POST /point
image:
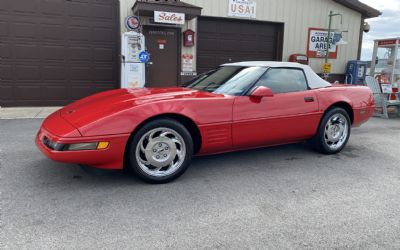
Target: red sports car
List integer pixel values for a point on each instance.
(155, 132)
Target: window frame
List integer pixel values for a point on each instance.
(252, 87)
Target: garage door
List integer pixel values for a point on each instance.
(56, 51)
(222, 40)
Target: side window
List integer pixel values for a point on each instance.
(283, 80)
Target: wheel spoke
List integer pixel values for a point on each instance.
(164, 134)
(151, 139)
(144, 161)
(179, 153)
(341, 128)
(176, 142)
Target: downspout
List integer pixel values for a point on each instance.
(360, 38)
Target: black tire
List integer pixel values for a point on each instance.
(132, 163)
(319, 143)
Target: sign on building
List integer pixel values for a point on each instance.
(317, 43)
(169, 17)
(242, 8)
(327, 68)
(187, 63)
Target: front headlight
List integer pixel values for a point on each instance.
(53, 145)
(81, 146)
(87, 146)
(76, 146)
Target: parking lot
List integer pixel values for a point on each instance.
(281, 197)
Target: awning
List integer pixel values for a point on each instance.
(147, 8)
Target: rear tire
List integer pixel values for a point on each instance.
(333, 132)
(160, 151)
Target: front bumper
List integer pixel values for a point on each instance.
(109, 158)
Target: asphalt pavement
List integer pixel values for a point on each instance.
(285, 197)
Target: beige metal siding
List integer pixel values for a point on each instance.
(298, 16)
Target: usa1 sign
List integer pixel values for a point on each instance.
(242, 8)
(169, 17)
(317, 43)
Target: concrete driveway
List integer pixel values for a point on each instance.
(283, 197)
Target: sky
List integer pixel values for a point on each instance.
(385, 26)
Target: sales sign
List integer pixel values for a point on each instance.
(169, 17)
(317, 44)
(242, 8)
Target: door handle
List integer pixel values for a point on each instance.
(308, 99)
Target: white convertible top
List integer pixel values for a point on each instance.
(314, 81)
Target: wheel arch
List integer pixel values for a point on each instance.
(189, 124)
(344, 105)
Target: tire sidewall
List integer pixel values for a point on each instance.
(321, 132)
(167, 123)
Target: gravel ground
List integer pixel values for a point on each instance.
(282, 197)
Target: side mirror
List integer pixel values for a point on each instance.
(261, 92)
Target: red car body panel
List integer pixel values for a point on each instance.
(287, 111)
(225, 123)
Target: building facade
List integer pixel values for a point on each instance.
(54, 52)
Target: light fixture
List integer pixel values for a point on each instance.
(341, 42)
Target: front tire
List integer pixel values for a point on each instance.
(333, 132)
(160, 151)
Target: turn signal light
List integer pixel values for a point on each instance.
(103, 145)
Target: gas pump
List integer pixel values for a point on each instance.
(132, 67)
(356, 72)
(385, 65)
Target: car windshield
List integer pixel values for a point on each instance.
(228, 80)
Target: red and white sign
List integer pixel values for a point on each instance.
(169, 17)
(187, 63)
(387, 42)
(317, 43)
(132, 23)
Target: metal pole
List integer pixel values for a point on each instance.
(329, 36)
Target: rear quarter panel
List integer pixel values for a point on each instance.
(360, 98)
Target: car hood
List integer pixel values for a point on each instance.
(104, 104)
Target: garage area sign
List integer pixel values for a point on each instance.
(242, 8)
(317, 42)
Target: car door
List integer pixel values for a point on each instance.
(291, 114)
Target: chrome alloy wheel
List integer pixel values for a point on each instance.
(160, 152)
(336, 131)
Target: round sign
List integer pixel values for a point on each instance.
(144, 56)
(132, 23)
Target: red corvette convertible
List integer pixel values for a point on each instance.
(155, 132)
